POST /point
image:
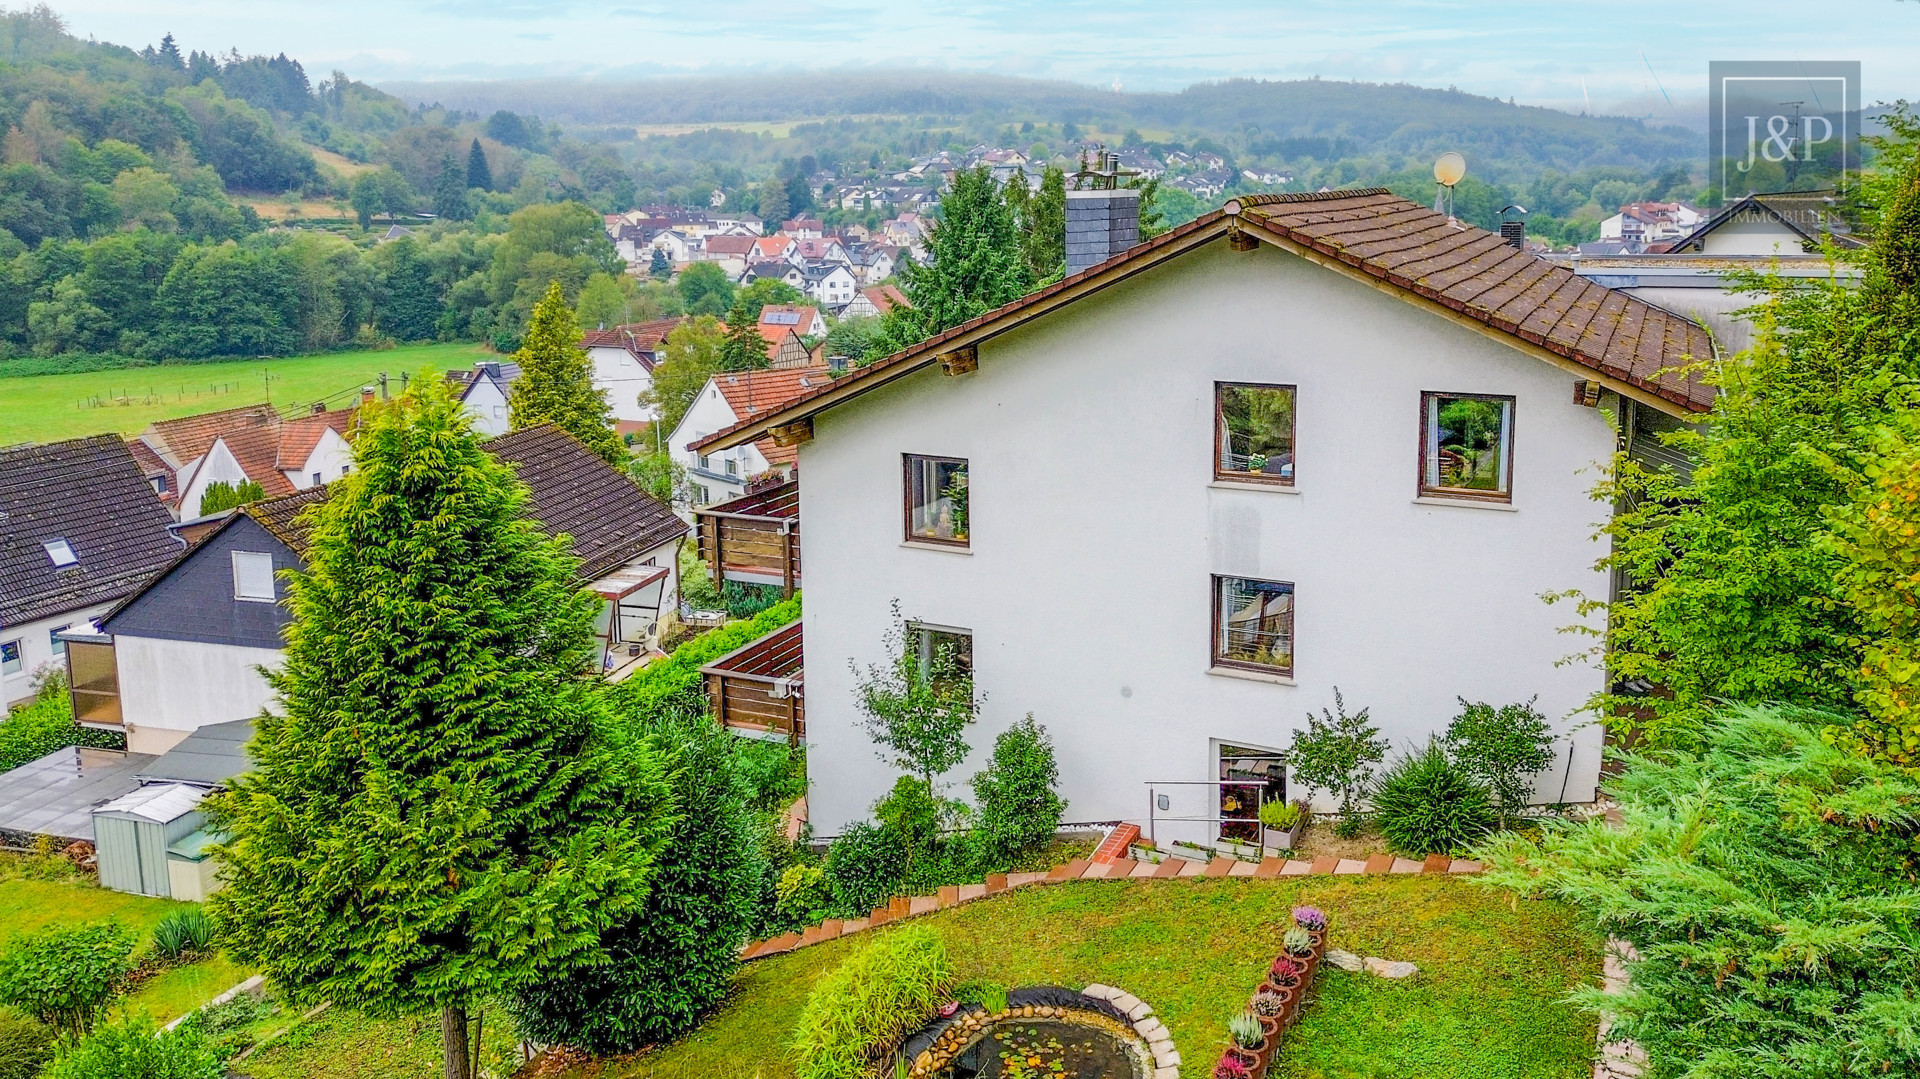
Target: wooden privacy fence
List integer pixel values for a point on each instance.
(755, 538)
(760, 686)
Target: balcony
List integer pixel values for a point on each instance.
(754, 539)
(759, 687)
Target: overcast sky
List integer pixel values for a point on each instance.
(1538, 52)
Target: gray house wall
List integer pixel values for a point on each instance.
(194, 601)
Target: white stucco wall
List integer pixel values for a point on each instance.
(709, 413)
(1753, 237)
(331, 457)
(218, 466)
(37, 650)
(1096, 529)
(622, 378)
(168, 689)
(488, 407)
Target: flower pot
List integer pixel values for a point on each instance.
(1243, 1056)
(1262, 1056)
(1284, 838)
(1149, 854)
(1319, 942)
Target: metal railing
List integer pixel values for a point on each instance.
(1153, 803)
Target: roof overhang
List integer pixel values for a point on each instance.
(783, 423)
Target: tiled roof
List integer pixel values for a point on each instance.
(750, 393)
(299, 436)
(1467, 270)
(885, 297)
(1477, 274)
(771, 247)
(1814, 215)
(730, 245)
(258, 451)
(611, 520)
(91, 493)
(189, 437)
(642, 339)
(777, 318)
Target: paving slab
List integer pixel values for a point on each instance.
(1324, 864)
(1350, 867)
(1405, 865)
(1378, 864)
(1296, 868)
(1243, 869)
(1221, 866)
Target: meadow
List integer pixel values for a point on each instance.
(47, 408)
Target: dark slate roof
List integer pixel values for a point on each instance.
(56, 794)
(91, 493)
(208, 757)
(612, 521)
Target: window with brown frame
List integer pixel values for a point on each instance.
(1466, 446)
(1253, 624)
(1253, 432)
(936, 499)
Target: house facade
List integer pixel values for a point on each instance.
(623, 359)
(482, 392)
(727, 399)
(188, 647)
(1175, 502)
(82, 529)
(250, 444)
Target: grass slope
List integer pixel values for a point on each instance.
(1487, 1003)
(46, 408)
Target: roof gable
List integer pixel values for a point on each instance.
(1466, 273)
(90, 493)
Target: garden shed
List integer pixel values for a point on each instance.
(131, 835)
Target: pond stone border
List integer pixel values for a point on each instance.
(1108, 863)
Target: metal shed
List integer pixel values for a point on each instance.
(131, 835)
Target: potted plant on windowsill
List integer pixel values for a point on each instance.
(1281, 823)
(1249, 1036)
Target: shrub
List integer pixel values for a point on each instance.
(774, 772)
(865, 866)
(803, 896)
(911, 814)
(46, 725)
(64, 975)
(858, 1010)
(1499, 747)
(133, 1049)
(26, 1044)
(673, 686)
(182, 934)
(1426, 805)
(675, 958)
(1280, 816)
(221, 495)
(1337, 753)
(1019, 810)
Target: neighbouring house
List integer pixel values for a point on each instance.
(623, 360)
(774, 249)
(483, 391)
(776, 269)
(727, 399)
(80, 528)
(877, 300)
(249, 444)
(188, 646)
(1360, 447)
(730, 253)
(1639, 224)
(678, 246)
(805, 321)
(738, 222)
(1698, 275)
(877, 262)
(803, 228)
(830, 283)
(823, 249)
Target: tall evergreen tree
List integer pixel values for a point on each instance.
(450, 191)
(556, 380)
(478, 174)
(745, 349)
(659, 268)
(976, 263)
(408, 302)
(436, 816)
(1043, 227)
(169, 54)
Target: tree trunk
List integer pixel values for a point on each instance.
(453, 1043)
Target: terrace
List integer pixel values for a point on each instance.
(760, 687)
(754, 539)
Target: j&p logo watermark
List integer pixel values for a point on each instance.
(1789, 125)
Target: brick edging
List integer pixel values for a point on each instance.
(902, 908)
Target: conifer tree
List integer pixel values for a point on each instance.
(169, 54)
(976, 263)
(450, 191)
(478, 174)
(745, 349)
(556, 380)
(437, 815)
(659, 268)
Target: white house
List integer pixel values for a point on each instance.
(482, 392)
(727, 399)
(679, 247)
(250, 444)
(832, 284)
(186, 649)
(623, 359)
(81, 529)
(1305, 443)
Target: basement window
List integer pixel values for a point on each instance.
(936, 497)
(1253, 624)
(1253, 433)
(944, 654)
(1466, 446)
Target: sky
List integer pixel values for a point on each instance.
(1631, 57)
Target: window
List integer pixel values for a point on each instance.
(60, 552)
(316, 479)
(159, 484)
(1253, 624)
(700, 494)
(702, 459)
(253, 576)
(1253, 433)
(11, 661)
(945, 653)
(1248, 778)
(1466, 446)
(937, 499)
(733, 467)
(54, 641)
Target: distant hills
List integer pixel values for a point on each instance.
(1278, 122)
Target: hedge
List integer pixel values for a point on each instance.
(674, 684)
(44, 726)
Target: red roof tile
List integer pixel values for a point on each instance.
(298, 436)
(189, 437)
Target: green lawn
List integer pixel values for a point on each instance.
(339, 1044)
(1486, 1005)
(45, 408)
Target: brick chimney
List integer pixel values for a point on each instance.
(366, 395)
(1515, 233)
(1100, 225)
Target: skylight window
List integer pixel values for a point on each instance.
(61, 552)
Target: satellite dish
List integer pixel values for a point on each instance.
(1449, 167)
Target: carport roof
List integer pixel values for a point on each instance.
(56, 794)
